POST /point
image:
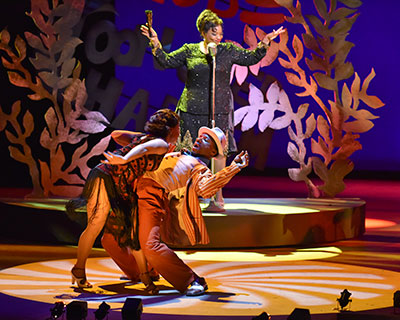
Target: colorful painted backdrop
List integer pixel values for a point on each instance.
(125, 84)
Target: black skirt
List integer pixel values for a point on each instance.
(122, 222)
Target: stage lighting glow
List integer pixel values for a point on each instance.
(324, 249)
(260, 208)
(378, 223)
(42, 204)
(256, 208)
(267, 208)
(214, 214)
(295, 255)
(244, 288)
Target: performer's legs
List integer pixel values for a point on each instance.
(144, 273)
(225, 123)
(151, 210)
(132, 262)
(121, 257)
(219, 165)
(98, 208)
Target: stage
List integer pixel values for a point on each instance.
(256, 222)
(257, 260)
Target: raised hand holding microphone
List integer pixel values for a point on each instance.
(148, 31)
(149, 16)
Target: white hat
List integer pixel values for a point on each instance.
(218, 136)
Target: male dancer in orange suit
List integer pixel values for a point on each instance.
(169, 208)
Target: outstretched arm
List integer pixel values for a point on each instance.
(207, 184)
(156, 146)
(247, 57)
(174, 59)
(123, 137)
(271, 36)
(241, 160)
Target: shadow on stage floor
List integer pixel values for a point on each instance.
(37, 252)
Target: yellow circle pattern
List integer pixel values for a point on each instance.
(236, 287)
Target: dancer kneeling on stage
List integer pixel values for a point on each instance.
(112, 185)
(169, 209)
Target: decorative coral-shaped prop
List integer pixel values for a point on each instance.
(342, 118)
(338, 133)
(57, 79)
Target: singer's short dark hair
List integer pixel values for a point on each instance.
(208, 20)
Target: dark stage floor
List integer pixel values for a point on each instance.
(243, 283)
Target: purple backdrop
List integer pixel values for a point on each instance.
(374, 35)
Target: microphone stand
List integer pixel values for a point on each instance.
(213, 92)
(213, 107)
(213, 206)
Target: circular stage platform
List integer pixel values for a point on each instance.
(282, 222)
(246, 223)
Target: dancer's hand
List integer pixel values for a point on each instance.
(242, 159)
(112, 158)
(155, 43)
(272, 35)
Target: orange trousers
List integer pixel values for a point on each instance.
(121, 256)
(152, 207)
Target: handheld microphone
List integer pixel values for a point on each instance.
(149, 15)
(212, 49)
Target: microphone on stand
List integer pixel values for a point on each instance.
(212, 49)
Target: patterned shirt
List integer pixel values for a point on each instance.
(124, 175)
